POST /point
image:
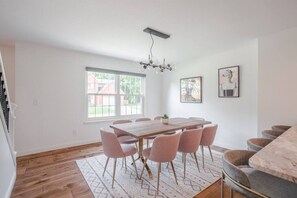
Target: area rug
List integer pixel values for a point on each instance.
(127, 185)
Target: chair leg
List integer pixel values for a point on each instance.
(210, 153)
(105, 166)
(202, 156)
(222, 186)
(135, 166)
(167, 164)
(136, 146)
(183, 157)
(174, 172)
(143, 168)
(123, 162)
(114, 170)
(125, 165)
(147, 143)
(195, 155)
(185, 162)
(231, 193)
(159, 170)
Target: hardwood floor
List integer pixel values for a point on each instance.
(214, 191)
(54, 174)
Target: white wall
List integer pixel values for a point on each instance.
(277, 79)
(7, 168)
(55, 78)
(236, 117)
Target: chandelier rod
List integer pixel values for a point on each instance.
(151, 49)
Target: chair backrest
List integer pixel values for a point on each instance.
(195, 127)
(111, 145)
(164, 148)
(271, 134)
(158, 118)
(208, 135)
(142, 119)
(282, 128)
(119, 132)
(196, 118)
(256, 144)
(233, 160)
(190, 140)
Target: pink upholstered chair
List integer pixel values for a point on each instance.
(158, 118)
(123, 137)
(164, 149)
(195, 127)
(142, 119)
(113, 149)
(196, 118)
(208, 136)
(167, 133)
(189, 143)
(147, 138)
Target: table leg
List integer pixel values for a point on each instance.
(142, 159)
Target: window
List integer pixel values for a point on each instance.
(131, 95)
(114, 93)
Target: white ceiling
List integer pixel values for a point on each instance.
(114, 27)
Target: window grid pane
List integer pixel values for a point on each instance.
(101, 83)
(131, 104)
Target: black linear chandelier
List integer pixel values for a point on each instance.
(151, 64)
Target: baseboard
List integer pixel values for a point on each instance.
(50, 148)
(11, 185)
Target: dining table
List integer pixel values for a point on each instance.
(279, 158)
(141, 130)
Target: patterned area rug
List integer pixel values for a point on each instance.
(126, 184)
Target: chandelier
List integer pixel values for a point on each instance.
(151, 63)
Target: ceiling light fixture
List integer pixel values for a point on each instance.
(154, 64)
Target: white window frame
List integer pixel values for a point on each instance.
(117, 96)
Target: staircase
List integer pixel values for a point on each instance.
(4, 101)
(7, 151)
(7, 110)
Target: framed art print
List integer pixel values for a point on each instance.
(191, 90)
(228, 82)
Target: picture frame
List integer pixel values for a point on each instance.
(229, 82)
(191, 90)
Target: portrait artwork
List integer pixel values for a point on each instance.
(229, 82)
(191, 90)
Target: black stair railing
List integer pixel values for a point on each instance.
(4, 101)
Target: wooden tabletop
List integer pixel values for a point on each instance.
(155, 127)
(279, 158)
